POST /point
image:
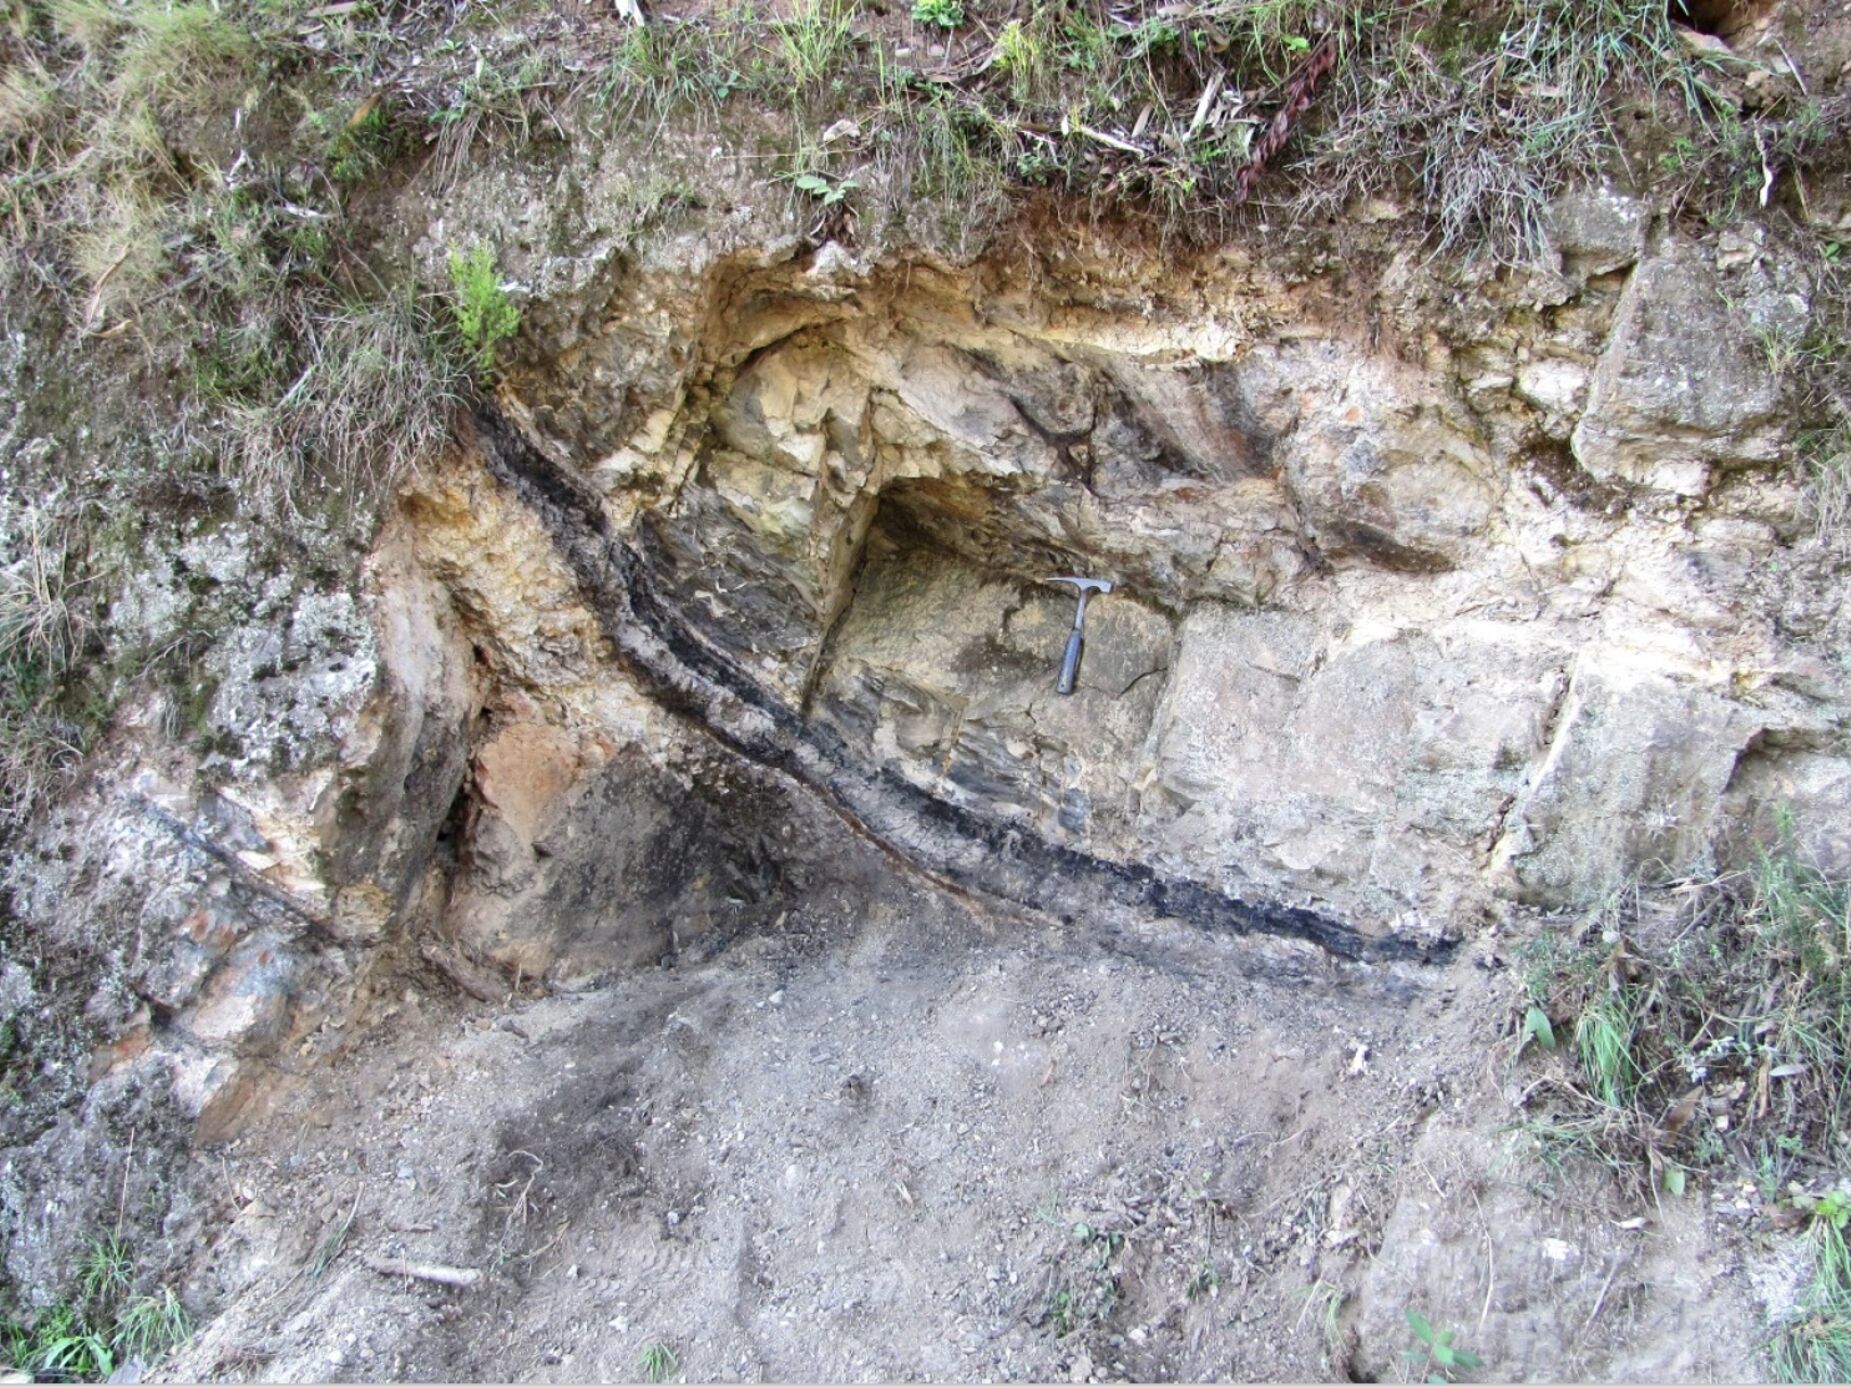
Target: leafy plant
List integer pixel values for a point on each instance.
(1436, 1351)
(1087, 1288)
(62, 1346)
(657, 1361)
(1538, 1028)
(827, 191)
(947, 14)
(83, 1341)
(65, 1346)
(484, 313)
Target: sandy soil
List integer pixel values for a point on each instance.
(889, 1139)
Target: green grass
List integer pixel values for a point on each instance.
(102, 1326)
(812, 41)
(1604, 1037)
(507, 96)
(657, 1362)
(661, 69)
(1742, 991)
(108, 1272)
(1815, 1346)
(151, 1325)
(162, 54)
(1826, 455)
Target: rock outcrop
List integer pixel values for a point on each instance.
(1435, 602)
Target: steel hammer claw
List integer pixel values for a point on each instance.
(1070, 662)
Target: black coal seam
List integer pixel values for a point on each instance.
(946, 842)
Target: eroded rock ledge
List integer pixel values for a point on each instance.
(1430, 603)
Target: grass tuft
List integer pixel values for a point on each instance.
(657, 1362)
(317, 443)
(84, 1339)
(151, 1325)
(812, 41)
(46, 620)
(1815, 1346)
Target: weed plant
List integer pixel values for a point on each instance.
(1714, 1038)
(102, 1327)
(1815, 1345)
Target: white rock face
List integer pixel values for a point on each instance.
(1683, 388)
(1377, 763)
(1384, 654)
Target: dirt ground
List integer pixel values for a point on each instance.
(885, 1138)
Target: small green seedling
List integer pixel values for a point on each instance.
(484, 313)
(1437, 1348)
(829, 192)
(1833, 1208)
(947, 14)
(1206, 1282)
(1537, 1028)
(657, 1361)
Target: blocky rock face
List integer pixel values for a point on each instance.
(1684, 387)
(1421, 616)
(1399, 633)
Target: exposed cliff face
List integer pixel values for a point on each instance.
(1433, 602)
(1405, 629)
(1437, 604)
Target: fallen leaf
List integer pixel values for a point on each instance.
(1682, 1111)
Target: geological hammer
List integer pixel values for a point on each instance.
(1070, 663)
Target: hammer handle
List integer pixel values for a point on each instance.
(1070, 663)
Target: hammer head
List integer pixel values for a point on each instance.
(1084, 585)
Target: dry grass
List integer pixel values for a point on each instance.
(321, 439)
(1476, 116)
(137, 200)
(46, 617)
